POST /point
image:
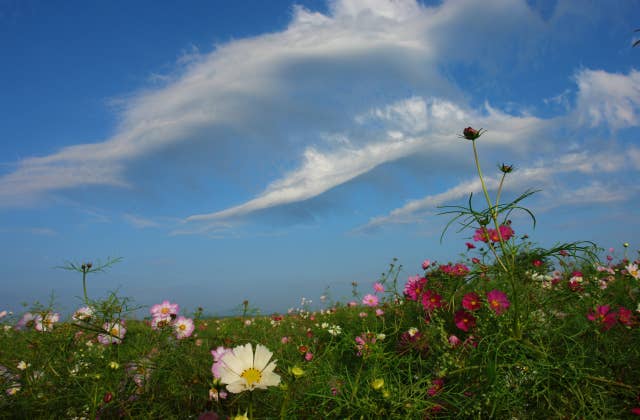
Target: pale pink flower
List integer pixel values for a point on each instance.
(426, 264)
(352, 303)
(165, 309)
(284, 340)
(378, 287)
(27, 321)
(362, 314)
(115, 333)
(217, 360)
(370, 300)
(308, 356)
(45, 323)
(183, 327)
(379, 312)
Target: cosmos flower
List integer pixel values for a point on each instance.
(464, 320)
(242, 370)
(370, 300)
(165, 309)
(115, 333)
(45, 323)
(183, 327)
(83, 314)
(471, 302)
(414, 287)
(498, 301)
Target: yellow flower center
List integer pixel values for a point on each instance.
(114, 331)
(252, 376)
(182, 327)
(164, 310)
(495, 303)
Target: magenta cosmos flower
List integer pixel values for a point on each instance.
(431, 300)
(498, 301)
(471, 302)
(414, 287)
(464, 320)
(604, 316)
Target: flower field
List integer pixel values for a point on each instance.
(508, 331)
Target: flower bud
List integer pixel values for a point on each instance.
(471, 133)
(505, 169)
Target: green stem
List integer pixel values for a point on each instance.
(250, 405)
(84, 286)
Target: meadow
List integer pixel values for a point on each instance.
(510, 330)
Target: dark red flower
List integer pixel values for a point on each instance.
(464, 320)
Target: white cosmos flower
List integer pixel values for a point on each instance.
(241, 370)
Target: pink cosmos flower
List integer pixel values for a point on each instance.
(379, 312)
(284, 340)
(431, 300)
(426, 264)
(352, 304)
(378, 287)
(370, 300)
(362, 314)
(604, 316)
(498, 301)
(115, 332)
(183, 327)
(460, 270)
(415, 287)
(308, 356)
(165, 309)
(471, 302)
(464, 320)
(506, 232)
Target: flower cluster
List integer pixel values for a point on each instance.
(492, 235)
(165, 314)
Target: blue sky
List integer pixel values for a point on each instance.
(269, 150)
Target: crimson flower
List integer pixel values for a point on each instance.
(603, 315)
(464, 320)
(471, 301)
(431, 300)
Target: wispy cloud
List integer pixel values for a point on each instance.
(139, 222)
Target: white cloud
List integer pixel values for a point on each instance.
(610, 99)
(424, 126)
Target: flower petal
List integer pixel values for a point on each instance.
(262, 357)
